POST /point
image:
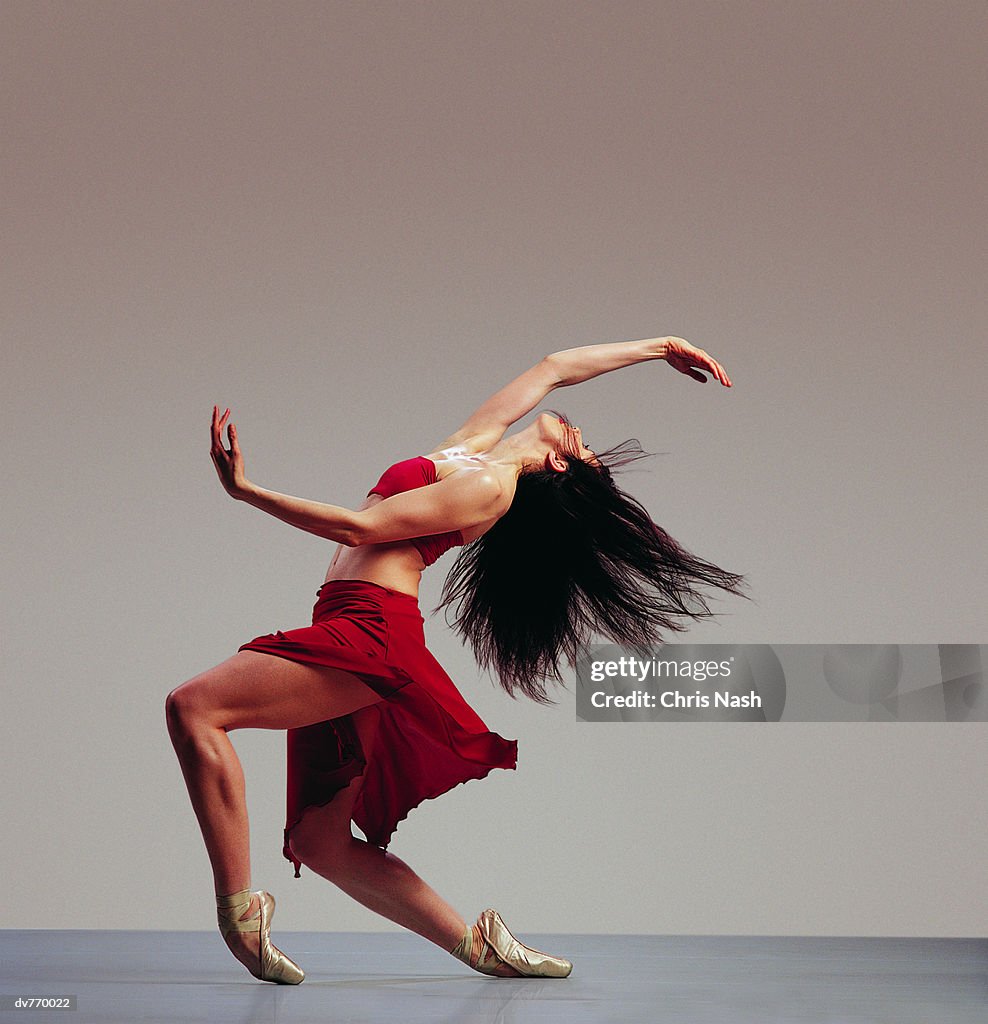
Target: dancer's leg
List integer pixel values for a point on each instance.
(248, 690)
(382, 882)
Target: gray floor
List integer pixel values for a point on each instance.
(189, 976)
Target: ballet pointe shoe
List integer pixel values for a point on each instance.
(499, 946)
(273, 965)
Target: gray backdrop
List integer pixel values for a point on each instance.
(351, 222)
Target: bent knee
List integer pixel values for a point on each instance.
(325, 851)
(183, 710)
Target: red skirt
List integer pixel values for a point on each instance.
(429, 739)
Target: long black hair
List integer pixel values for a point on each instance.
(573, 555)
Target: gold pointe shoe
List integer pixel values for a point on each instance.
(273, 965)
(499, 946)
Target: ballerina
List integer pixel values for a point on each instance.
(552, 551)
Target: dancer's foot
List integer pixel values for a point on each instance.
(245, 946)
(488, 947)
(492, 965)
(245, 920)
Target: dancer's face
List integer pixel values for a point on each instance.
(568, 439)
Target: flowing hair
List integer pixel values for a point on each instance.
(573, 555)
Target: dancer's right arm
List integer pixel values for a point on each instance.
(485, 427)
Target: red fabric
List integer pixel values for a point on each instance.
(429, 739)
(406, 476)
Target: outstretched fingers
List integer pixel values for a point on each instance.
(695, 359)
(228, 462)
(719, 372)
(706, 362)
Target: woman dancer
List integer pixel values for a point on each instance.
(554, 552)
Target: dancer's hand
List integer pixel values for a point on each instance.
(683, 356)
(229, 464)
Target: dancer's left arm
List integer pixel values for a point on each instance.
(332, 522)
(452, 504)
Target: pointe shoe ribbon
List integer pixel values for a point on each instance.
(273, 965)
(500, 946)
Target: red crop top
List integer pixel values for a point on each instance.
(406, 476)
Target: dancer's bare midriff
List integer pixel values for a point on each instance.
(398, 564)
